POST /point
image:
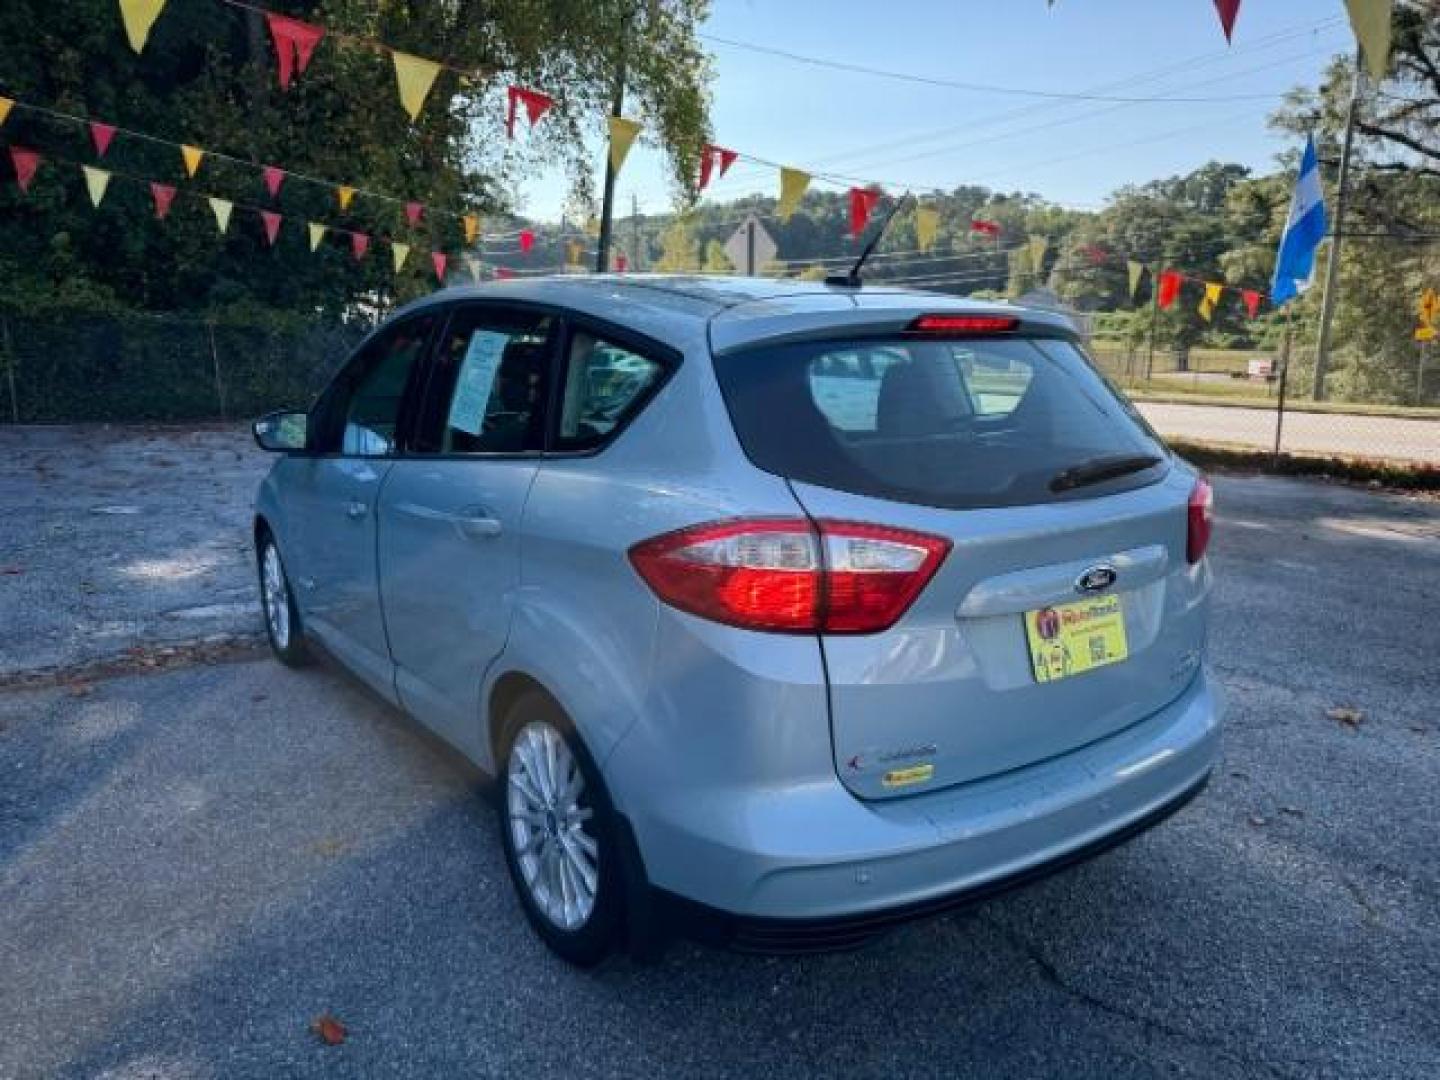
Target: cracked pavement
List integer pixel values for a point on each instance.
(197, 860)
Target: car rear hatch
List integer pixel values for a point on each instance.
(1067, 606)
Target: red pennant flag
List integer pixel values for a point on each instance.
(413, 212)
(1228, 9)
(989, 228)
(1096, 255)
(621, 263)
(164, 195)
(1252, 301)
(527, 240)
(273, 179)
(26, 161)
(295, 43)
(359, 242)
(101, 134)
(536, 105)
(711, 157)
(438, 259)
(272, 225)
(1169, 288)
(862, 205)
(502, 273)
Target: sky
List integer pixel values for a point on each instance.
(923, 137)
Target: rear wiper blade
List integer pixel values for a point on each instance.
(1102, 468)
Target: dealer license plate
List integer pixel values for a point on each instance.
(1070, 639)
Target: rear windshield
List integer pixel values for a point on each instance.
(944, 422)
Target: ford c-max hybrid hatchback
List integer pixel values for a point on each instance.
(781, 612)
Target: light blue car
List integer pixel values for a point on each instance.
(781, 612)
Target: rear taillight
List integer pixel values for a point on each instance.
(1201, 520)
(791, 575)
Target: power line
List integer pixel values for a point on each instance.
(1168, 71)
(953, 84)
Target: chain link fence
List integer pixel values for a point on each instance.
(74, 367)
(1384, 410)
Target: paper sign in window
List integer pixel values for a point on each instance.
(476, 381)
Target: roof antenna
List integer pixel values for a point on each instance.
(852, 279)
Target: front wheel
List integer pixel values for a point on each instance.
(558, 828)
(277, 602)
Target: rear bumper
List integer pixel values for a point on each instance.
(796, 936)
(812, 861)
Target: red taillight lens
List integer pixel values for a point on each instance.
(964, 324)
(789, 575)
(1201, 520)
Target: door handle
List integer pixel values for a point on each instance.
(478, 525)
(355, 509)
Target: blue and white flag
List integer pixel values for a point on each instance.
(1295, 264)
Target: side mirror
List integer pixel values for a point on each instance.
(282, 431)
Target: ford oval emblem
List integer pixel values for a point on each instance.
(1096, 579)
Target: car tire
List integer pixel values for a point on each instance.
(277, 605)
(560, 842)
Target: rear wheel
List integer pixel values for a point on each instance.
(558, 828)
(277, 602)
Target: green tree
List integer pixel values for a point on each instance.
(716, 261)
(207, 77)
(679, 248)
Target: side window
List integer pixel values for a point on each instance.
(487, 391)
(361, 411)
(604, 384)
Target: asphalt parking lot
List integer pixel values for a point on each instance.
(198, 861)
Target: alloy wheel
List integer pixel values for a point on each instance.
(548, 810)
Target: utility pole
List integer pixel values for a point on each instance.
(1332, 265)
(617, 104)
(634, 232)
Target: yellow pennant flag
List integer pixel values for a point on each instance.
(221, 209)
(472, 227)
(1371, 22)
(1137, 271)
(574, 251)
(344, 194)
(192, 156)
(927, 225)
(592, 226)
(414, 75)
(139, 17)
(399, 253)
(97, 180)
(1037, 247)
(622, 135)
(1212, 297)
(793, 183)
(6, 104)
(317, 233)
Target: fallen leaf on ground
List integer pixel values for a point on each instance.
(1419, 729)
(1347, 716)
(1293, 811)
(258, 697)
(10, 570)
(328, 1029)
(81, 690)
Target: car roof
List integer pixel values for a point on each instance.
(735, 312)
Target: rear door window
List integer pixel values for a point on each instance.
(486, 393)
(943, 422)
